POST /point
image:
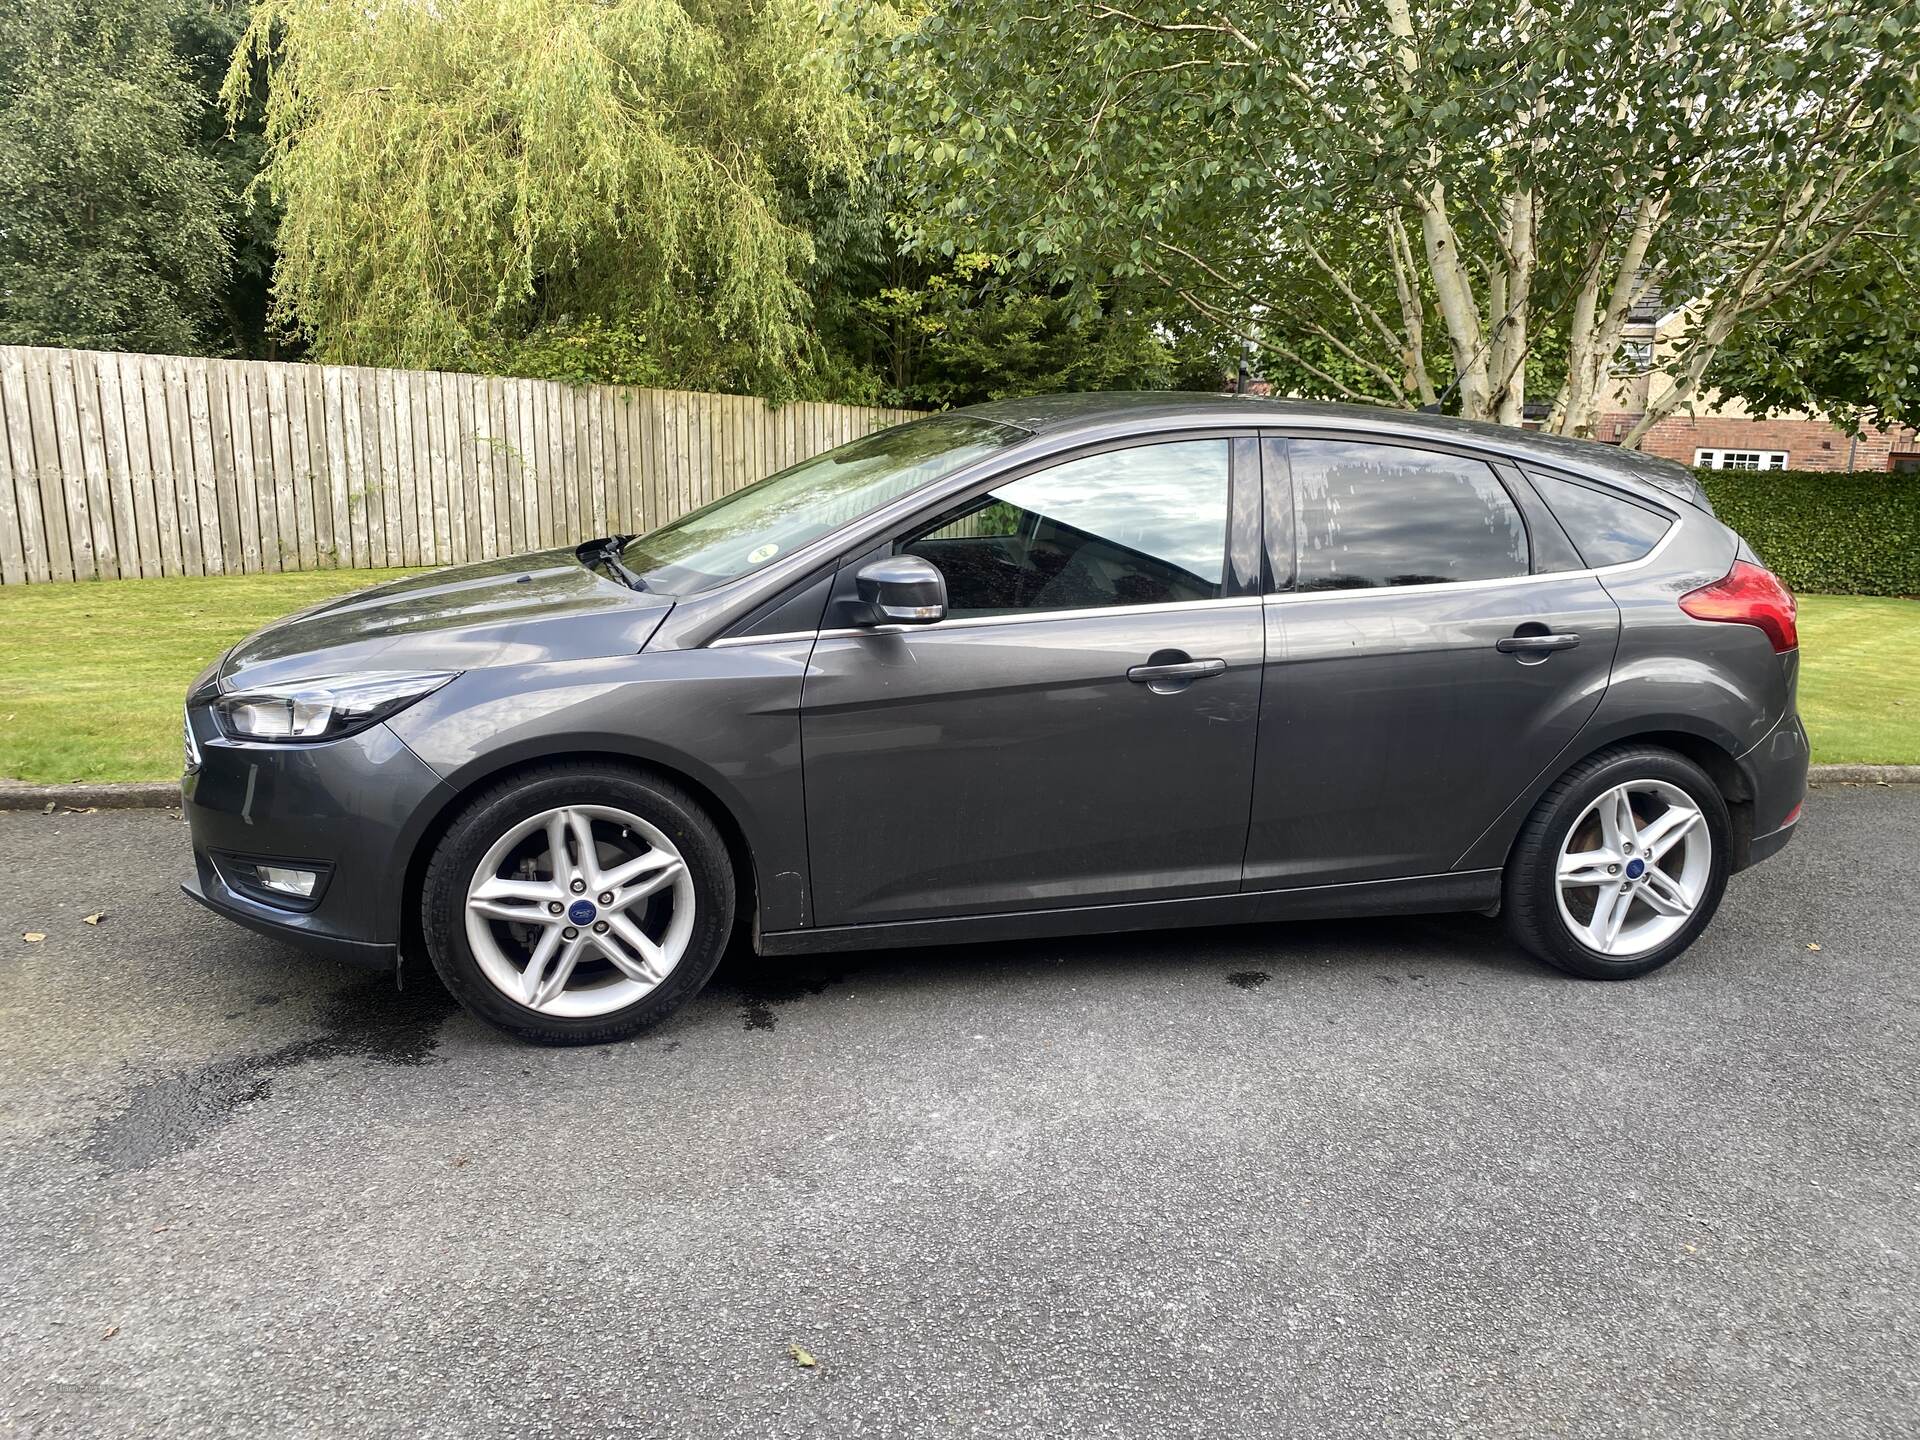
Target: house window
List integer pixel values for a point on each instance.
(1636, 358)
(1741, 459)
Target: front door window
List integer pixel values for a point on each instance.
(1144, 526)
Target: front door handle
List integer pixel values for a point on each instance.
(1168, 677)
(1525, 645)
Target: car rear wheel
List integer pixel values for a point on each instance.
(1621, 865)
(575, 905)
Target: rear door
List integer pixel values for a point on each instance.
(1433, 643)
(1033, 750)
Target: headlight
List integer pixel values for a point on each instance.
(325, 707)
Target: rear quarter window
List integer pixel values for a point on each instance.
(1606, 528)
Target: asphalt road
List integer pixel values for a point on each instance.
(1378, 1178)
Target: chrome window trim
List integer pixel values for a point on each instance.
(972, 622)
(1225, 602)
(965, 482)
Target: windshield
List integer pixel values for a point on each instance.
(776, 516)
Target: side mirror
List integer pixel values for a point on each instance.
(902, 590)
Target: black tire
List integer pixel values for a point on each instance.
(1530, 901)
(495, 810)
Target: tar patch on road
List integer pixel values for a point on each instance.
(1249, 979)
(174, 1113)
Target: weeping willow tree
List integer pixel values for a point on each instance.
(466, 173)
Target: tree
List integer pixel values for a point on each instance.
(932, 336)
(205, 35)
(112, 221)
(1846, 345)
(465, 176)
(1454, 198)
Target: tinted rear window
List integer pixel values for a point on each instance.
(1377, 515)
(1608, 529)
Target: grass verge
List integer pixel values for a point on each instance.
(1860, 679)
(92, 674)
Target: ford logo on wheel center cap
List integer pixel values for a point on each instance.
(1635, 869)
(581, 912)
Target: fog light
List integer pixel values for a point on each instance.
(285, 880)
(285, 884)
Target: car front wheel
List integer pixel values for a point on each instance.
(578, 904)
(1621, 865)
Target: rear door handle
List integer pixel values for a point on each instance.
(1534, 644)
(1179, 671)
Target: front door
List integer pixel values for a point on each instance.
(1427, 657)
(1078, 731)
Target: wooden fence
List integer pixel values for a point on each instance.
(139, 465)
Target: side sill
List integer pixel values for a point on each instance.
(1420, 894)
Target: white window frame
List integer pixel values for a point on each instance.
(1733, 459)
(1636, 357)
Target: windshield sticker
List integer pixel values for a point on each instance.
(763, 554)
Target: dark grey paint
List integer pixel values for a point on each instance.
(524, 608)
(1393, 732)
(970, 768)
(1364, 751)
(352, 804)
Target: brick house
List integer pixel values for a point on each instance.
(1719, 432)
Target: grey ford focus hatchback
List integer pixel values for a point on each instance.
(1048, 667)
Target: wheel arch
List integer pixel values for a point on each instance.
(432, 824)
(1684, 735)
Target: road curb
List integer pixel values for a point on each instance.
(165, 794)
(1864, 774)
(105, 795)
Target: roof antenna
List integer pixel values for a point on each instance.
(1440, 400)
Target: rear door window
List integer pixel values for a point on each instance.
(1608, 529)
(1373, 515)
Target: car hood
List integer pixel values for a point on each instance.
(514, 611)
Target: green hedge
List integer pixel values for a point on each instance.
(1832, 534)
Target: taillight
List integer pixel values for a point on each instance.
(1748, 594)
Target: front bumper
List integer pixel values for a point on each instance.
(348, 806)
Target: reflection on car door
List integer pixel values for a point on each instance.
(1021, 755)
(1395, 726)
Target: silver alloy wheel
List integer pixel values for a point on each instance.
(1633, 868)
(580, 910)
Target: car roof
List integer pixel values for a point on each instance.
(1061, 416)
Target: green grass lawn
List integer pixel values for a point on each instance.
(92, 673)
(1860, 679)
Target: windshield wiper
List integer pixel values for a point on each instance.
(606, 551)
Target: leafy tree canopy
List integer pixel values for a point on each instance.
(1419, 200)
(1847, 344)
(113, 222)
(462, 177)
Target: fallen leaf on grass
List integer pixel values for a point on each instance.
(93, 919)
(804, 1359)
(32, 937)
